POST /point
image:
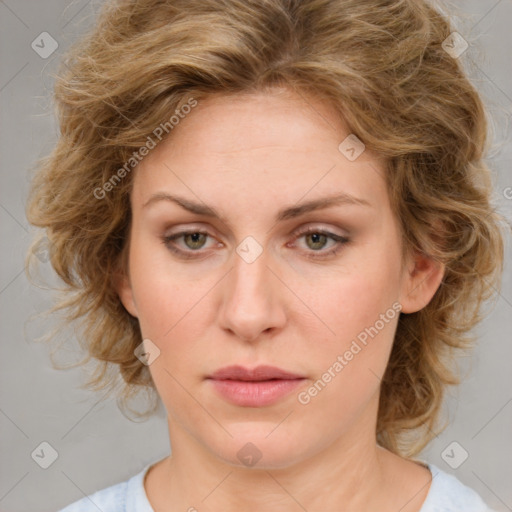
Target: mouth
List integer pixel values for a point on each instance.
(256, 387)
(258, 374)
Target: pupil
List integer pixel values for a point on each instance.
(194, 239)
(316, 238)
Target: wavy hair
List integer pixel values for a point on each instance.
(380, 64)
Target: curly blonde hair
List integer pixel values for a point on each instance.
(379, 63)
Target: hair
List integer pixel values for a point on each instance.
(379, 63)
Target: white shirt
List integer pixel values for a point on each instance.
(446, 494)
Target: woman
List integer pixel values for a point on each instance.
(276, 214)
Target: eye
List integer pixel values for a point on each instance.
(193, 240)
(316, 239)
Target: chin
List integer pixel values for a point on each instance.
(252, 447)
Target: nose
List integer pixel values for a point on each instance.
(252, 299)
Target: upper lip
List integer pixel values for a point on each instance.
(262, 372)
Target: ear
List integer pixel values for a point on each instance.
(421, 279)
(124, 291)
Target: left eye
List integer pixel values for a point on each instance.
(316, 240)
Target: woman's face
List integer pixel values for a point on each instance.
(253, 288)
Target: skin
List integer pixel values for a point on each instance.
(248, 156)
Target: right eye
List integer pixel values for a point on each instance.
(194, 241)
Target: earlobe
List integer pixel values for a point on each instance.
(423, 278)
(125, 293)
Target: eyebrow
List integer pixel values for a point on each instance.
(287, 213)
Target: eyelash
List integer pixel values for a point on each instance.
(340, 241)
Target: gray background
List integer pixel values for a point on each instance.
(96, 445)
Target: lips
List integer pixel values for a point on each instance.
(259, 373)
(257, 387)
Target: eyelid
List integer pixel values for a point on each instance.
(313, 228)
(339, 239)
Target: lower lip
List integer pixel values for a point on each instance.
(255, 394)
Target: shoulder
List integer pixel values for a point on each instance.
(448, 494)
(127, 496)
(110, 499)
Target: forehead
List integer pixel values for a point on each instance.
(278, 144)
(251, 121)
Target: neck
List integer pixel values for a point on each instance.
(353, 473)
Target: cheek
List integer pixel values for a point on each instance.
(173, 313)
(347, 369)
(165, 297)
(361, 312)
(364, 283)
(352, 299)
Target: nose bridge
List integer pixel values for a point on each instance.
(251, 303)
(250, 278)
